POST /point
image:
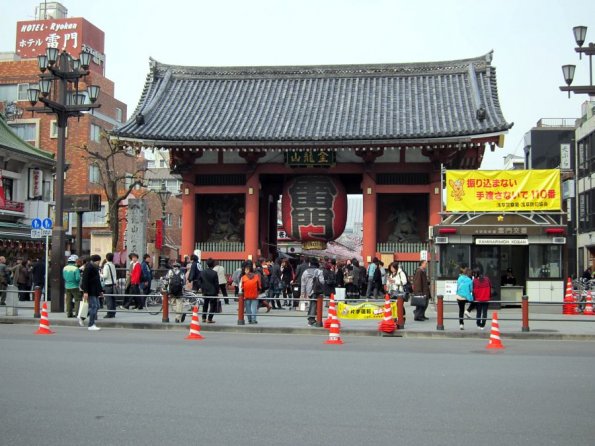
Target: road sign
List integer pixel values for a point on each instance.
(36, 233)
(47, 223)
(46, 232)
(36, 223)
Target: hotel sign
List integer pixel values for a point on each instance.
(502, 241)
(311, 158)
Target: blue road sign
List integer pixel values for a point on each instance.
(47, 223)
(36, 223)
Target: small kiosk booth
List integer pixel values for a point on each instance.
(518, 248)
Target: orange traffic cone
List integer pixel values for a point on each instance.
(334, 334)
(194, 326)
(569, 305)
(44, 323)
(589, 306)
(332, 305)
(495, 341)
(388, 323)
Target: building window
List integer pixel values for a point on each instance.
(162, 163)
(95, 133)
(22, 91)
(119, 114)
(94, 174)
(26, 131)
(9, 93)
(451, 259)
(545, 261)
(150, 164)
(8, 184)
(54, 129)
(168, 218)
(98, 218)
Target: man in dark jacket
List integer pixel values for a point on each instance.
(194, 275)
(421, 287)
(210, 287)
(91, 285)
(38, 273)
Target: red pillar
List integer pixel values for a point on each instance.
(251, 227)
(369, 221)
(188, 220)
(435, 196)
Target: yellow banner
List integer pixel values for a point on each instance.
(503, 190)
(366, 310)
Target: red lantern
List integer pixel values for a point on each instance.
(314, 209)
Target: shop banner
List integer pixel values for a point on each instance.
(366, 310)
(503, 190)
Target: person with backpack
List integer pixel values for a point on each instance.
(312, 286)
(175, 280)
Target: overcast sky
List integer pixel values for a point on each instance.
(531, 39)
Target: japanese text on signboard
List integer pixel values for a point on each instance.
(503, 190)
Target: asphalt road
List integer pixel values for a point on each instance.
(146, 387)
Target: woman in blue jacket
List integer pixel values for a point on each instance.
(464, 293)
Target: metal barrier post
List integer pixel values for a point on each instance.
(241, 320)
(440, 312)
(319, 305)
(525, 313)
(400, 313)
(165, 307)
(36, 302)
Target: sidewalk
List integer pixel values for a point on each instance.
(544, 323)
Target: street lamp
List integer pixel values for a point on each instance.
(580, 33)
(65, 100)
(164, 196)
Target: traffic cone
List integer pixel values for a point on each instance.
(388, 323)
(495, 341)
(589, 306)
(44, 323)
(334, 334)
(568, 307)
(332, 307)
(194, 326)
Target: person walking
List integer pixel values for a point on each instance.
(210, 291)
(133, 289)
(287, 278)
(22, 278)
(72, 280)
(220, 270)
(482, 291)
(396, 279)
(146, 278)
(275, 284)
(110, 286)
(194, 273)
(309, 290)
(464, 293)
(250, 285)
(91, 285)
(175, 280)
(373, 279)
(421, 287)
(4, 279)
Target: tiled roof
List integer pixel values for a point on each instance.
(10, 141)
(317, 103)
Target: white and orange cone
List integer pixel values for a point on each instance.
(387, 325)
(44, 323)
(194, 326)
(334, 334)
(589, 306)
(332, 307)
(495, 341)
(569, 306)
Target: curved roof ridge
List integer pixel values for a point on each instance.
(479, 63)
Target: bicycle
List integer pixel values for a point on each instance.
(190, 299)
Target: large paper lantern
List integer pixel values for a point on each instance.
(314, 209)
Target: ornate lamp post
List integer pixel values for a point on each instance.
(65, 100)
(164, 196)
(580, 33)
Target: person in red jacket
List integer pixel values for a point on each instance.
(482, 290)
(133, 289)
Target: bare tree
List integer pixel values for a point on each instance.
(120, 171)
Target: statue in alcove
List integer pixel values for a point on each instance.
(224, 222)
(405, 228)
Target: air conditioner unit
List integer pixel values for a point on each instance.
(559, 240)
(441, 240)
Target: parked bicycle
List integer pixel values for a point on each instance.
(154, 301)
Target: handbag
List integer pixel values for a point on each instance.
(418, 300)
(83, 309)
